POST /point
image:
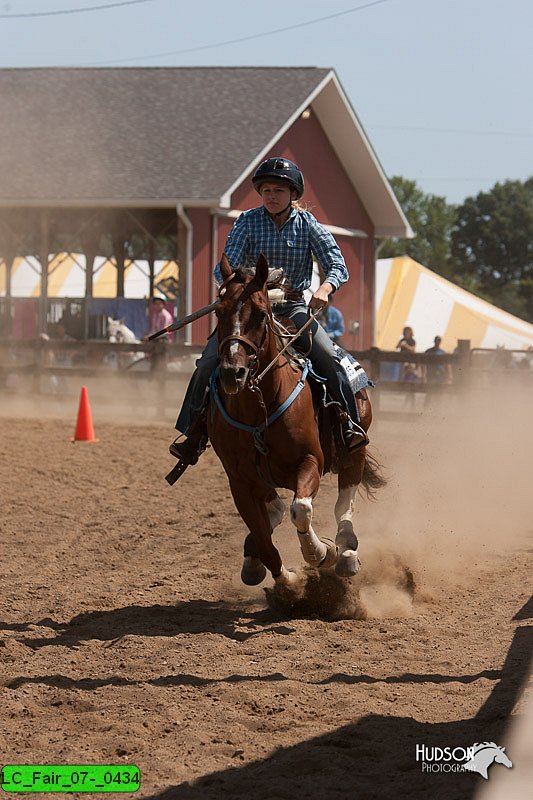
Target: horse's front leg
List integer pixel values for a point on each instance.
(253, 570)
(258, 546)
(316, 552)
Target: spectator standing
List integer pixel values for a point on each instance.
(332, 321)
(407, 344)
(160, 317)
(435, 372)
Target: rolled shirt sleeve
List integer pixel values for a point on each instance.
(328, 253)
(236, 246)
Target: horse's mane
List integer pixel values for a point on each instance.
(276, 279)
(277, 288)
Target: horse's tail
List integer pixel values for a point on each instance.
(372, 476)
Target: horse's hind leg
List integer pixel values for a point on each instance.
(316, 552)
(253, 570)
(348, 563)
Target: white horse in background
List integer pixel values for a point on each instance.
(118, 332)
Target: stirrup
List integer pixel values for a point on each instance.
(354, 437)
(176, 472)
(185, 451)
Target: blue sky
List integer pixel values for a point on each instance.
(442, 87)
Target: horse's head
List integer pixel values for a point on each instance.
(243, 314)
(118, 331)
(113, 329)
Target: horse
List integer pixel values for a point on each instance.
(485, 754)
(263, 427)
(119, 333)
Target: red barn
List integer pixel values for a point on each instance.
(133, 162)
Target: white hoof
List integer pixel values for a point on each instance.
(286, 578)
(253, 571)
(348, 564)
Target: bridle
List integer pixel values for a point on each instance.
(237, 337)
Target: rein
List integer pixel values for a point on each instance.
(286, 346)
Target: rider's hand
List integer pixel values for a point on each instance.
(320, 297)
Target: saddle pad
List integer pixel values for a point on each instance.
(354, 371)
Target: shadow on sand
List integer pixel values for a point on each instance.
(373, 758)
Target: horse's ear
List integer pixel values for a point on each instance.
(109, 320)
(261, 271)
(225, 267)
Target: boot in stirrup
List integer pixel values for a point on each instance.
(188, 450)
(353, 435)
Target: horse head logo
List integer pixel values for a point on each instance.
(483, 755)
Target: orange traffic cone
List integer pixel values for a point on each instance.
(84, 426)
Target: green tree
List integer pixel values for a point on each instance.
(431, 219)
(492, 246)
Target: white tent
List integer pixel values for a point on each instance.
(408, 293)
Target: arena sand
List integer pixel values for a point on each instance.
(127, 637)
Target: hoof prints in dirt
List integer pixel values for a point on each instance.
(322, 593)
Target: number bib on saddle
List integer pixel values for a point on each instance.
(354, 371)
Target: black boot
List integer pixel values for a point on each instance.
(189, 450)
(353, 435)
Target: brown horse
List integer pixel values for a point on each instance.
(263, 445)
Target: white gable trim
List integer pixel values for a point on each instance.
(347, 137)
(226, 197)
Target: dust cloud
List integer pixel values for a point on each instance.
(459, 497)
(459, 493)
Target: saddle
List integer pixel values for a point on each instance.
(331, 418)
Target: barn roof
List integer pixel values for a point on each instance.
(160, 136)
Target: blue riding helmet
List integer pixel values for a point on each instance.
(279, 169)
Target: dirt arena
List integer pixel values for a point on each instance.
(126, 636)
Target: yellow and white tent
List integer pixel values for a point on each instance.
(66, 276)
(408, 293)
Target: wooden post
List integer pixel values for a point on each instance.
(9, 258)
(462, 367)
(151, 264)
(118, 252)
(374, 376)
(44, 251)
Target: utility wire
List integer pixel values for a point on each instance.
(73, 10)
(425, 129)
(243, 38)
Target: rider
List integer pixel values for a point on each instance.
(288, 236)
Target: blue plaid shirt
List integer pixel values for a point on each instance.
(289, 248)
